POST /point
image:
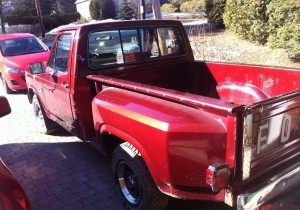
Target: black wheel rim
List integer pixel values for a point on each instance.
(129, 183)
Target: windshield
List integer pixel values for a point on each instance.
(21, 46)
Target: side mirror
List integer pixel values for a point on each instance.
(36, 68)
(4, 106)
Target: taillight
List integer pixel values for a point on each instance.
(217, 176)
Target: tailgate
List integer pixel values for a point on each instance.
(271, 136)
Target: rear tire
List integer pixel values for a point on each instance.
(43, 123)
(5, 86)
(134, 184)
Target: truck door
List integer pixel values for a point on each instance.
(57, 88)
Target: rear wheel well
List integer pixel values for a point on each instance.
(110, 142)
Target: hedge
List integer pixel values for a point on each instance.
(49, 21)
(248, 19)
(284, 25)
(272, 22)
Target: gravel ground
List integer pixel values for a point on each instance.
(20, 125)
(224, 46)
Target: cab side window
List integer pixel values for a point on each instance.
(171, 42)
(60, 55)
(130, 45)
(103, 48)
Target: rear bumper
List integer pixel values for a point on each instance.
(254, 200)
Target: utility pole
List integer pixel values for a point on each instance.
(142, 10)
(2, 18)
(39, 14)
(156, 9)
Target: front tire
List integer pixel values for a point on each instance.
(134, 184)
(5, 86)
(43, 123)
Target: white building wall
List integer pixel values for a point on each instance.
(82, 7)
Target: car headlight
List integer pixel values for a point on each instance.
(14, 70)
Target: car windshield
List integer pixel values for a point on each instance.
(21, 46)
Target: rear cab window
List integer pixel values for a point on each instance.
(122, 46)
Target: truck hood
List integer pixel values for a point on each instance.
(22, 61)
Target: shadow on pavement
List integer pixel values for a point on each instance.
(61, 132)
(62, 175)
(71, 176)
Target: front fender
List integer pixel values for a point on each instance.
(177, 142)
(32, 89)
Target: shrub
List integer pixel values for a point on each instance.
(17, 20)
(284, 24)
(58, 19)
(214, 12)
(49, 21)
(168, 8)
(248, 19)
(193, 6)
(274, 22)
(187, 7)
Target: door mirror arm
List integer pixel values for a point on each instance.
(53, 74)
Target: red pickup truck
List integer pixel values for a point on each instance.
(173, 126)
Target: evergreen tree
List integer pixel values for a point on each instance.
(102, 9)
(27, 8)
(125, 11)
(26, 13)
(65, 6)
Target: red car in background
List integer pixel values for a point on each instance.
(17, 50)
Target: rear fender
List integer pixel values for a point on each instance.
(167, 134)
(121, 135)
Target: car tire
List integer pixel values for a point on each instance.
(43, 123)
(134, 184)
(5, 86)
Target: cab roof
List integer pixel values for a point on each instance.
(120, 23)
